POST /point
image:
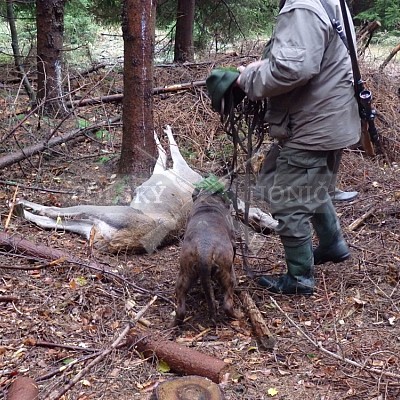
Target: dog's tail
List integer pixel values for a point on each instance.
(204, 269)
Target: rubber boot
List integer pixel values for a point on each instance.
(332, 246)
(300, 276)
(335, 193)
(340, 195)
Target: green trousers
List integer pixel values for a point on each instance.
(301, 183)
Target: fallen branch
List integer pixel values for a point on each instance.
(117, 98)
(57, 257)
(319, 346)
(12, 158)
(58, 393)
(364, 36)
(51, 345)
(65, 368)
(182, 359)
(260, 327)
(356, 224)
(5, 299)
(91, 69)
(389, 57)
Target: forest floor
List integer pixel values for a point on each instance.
(341, 343)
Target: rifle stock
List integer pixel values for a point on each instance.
(369, 133)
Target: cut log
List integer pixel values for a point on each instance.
(181, 359)
(263, 334)
(188, 388)
(23, 388)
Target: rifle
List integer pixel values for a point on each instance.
(369, 133)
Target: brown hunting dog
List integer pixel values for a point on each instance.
(208, 251)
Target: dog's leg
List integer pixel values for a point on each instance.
(227, 280)
(187, 276)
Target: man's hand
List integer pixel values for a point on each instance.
(241, 68)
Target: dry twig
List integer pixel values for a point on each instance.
(319, 346)
(58, 393)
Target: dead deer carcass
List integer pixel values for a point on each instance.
(207, 252)
(156, 215)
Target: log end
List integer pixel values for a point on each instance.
(23, 388)
(188, 388)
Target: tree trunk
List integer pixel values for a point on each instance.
(17, 54)
(184, 31)
(50, 32)
(138, 145)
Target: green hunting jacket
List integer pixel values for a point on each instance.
(308, 78)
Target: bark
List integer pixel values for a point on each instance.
(50, 34)
(17, 53)
(184, 50)
(260, 327)
(138, 152)
(23, 388)
(181, 359)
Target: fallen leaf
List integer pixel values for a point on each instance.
(252, 377)
(163, 367)
(272, 392)
(359, 301)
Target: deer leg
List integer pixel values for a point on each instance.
(180, 167)
(161, 163)
(82, 227)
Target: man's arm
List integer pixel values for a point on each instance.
(296, 55)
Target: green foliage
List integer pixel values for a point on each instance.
(387, 12)
(221, 22)
(83, 123)
(104, 159)
(211, 184)
(103, 134)
(79, 24)
(106, 12)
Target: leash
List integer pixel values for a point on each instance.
(245, 124)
